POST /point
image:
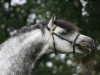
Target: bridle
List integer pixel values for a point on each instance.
(73, 43)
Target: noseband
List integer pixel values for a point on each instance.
(73, 43)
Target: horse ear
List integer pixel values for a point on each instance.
(51, 24)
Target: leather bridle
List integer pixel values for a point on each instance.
(73, 43)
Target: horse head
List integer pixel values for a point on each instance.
(66, 38)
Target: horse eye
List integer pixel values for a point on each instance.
(64, 32)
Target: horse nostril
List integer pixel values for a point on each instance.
(83, 45)
(92, 44)
(92, 41)
(87, 45)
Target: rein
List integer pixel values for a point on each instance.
(73, 43)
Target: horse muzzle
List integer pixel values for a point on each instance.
(87, 46)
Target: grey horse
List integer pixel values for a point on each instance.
(21, 53)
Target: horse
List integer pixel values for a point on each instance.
(23, 51)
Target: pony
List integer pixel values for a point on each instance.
(23, 51)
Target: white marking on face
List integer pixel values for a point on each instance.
(58, 30)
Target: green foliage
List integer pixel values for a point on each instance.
(15, 16)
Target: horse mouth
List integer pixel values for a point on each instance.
(87, 48)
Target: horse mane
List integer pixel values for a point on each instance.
(29, 28)
(42, 25)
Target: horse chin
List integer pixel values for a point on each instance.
(79, 51)
(87, 51)
(84, 51)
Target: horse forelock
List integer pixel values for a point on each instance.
(66, 25)
(61, 23)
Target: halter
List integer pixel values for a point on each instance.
(73, 43)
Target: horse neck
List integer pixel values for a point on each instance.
(35, 40)
(27, 48)
(28, 42)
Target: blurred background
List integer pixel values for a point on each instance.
(15, 14)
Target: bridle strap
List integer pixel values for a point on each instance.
(63, 38)
(73, 43)
(54, 45)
